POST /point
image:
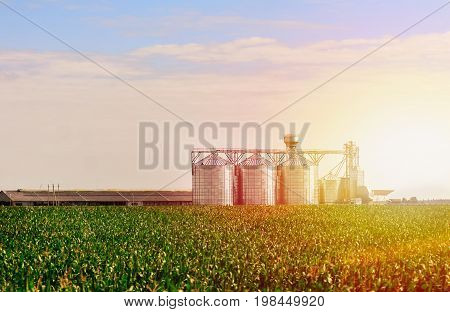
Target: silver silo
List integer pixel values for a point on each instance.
(329, 190)
(293, 175)
(256, 181)
(293, 183)
(212, 181)
(314, 185)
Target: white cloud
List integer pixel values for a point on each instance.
(57, 65)
(254, 49)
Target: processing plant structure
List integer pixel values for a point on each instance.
(268, 177)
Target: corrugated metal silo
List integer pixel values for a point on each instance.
(344, 190)
(356, 181)
(314, 186)
(329, 190)
(256, 181)
(293, 184)
(212, 181)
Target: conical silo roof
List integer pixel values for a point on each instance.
(296, 160)
(256, 160)
(213, 160)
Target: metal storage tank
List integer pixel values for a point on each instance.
(356, 181)
(212, 181)
(256, 181)
(293, 177)
(314, 186)
(329, 190)
(344, 190)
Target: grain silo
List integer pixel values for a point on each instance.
(344, 190)
(212, 180)
(293, 184)
(293, 175)
(314, 186)
(256, 181)
(329, 190)
(231, 176)
(356, 181)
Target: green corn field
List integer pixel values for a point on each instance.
(213, 248)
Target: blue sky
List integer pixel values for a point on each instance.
(118, 26)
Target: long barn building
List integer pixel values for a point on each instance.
(94, 198)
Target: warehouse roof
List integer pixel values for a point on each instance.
(96, 196)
